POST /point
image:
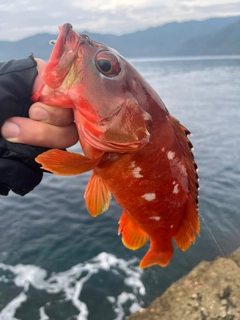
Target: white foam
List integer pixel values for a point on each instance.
(123, 298)
(42, 314)
(111, 299)
(134, 307)
(9, 311)
(70, 284)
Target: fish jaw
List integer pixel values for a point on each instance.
(60, 72)
(62, 57)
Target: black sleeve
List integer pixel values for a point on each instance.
(18, 170)
(16, 81)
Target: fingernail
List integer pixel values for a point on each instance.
(10, 130)
(39, 114)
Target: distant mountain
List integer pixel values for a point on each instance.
(38, 45)
(211, 36)
(166, 39)
(224, 42)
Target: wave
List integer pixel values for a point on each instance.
(70, 285)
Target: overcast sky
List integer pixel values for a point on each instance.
(21, 18)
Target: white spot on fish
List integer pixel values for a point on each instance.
(155, 218)
(170, 155)
(134, 83)
(175, 189)
(163, 149)
(171, 226)
(180, 172)
(174, 182)
(146, 116)
(136, 172)
(113, 157)
(132, 164)
(149, 196)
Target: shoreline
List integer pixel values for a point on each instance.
(211, 291)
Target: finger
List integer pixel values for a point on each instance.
(53, 115)
(36, 133)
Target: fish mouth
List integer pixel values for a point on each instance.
(59, 47)
(67, 40)
(64, 31)
(63, 54)
(66, 27)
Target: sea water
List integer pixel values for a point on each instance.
(58, 263)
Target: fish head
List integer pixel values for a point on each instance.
(105, 91)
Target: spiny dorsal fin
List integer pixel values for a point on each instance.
(185, 234)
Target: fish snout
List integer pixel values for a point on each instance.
(67, 27)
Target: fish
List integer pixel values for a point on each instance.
(137, 151)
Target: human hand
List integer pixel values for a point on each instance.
(25, 130)
(47, 126)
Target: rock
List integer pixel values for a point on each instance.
(211, 291)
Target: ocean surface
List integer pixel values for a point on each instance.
(58, 263)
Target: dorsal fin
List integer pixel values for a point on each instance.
(190, 224)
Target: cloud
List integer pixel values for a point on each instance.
(21, 18)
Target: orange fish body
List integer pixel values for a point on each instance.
(138, 152)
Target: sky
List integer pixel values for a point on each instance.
(22, 18)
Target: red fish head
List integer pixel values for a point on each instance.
(106, 92)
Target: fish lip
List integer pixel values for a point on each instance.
(63, 54)
(62, 38)
(61, 42)
(67, 26)
(65, 30)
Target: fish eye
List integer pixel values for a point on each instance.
(104, 65)
(108, 64)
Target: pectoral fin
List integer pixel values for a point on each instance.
(97, 195)
(133, 237)
(65, 163)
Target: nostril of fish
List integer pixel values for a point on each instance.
(85, 36)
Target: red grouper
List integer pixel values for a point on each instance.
(136, 150)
